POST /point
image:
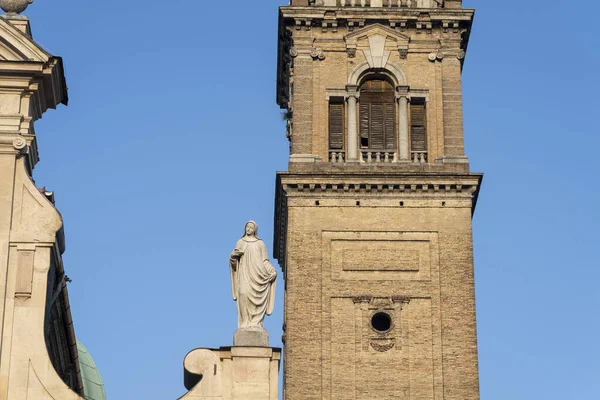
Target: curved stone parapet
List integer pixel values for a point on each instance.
(202, 374)
(232, 373)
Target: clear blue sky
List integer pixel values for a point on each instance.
(172, 139)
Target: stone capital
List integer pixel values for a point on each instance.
(352, 91)
(402, 92)
(301, 51)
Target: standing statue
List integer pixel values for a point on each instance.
(252, 280)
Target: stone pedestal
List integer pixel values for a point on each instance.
(232, 373)
(251, 338)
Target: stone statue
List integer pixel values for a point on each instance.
(253, 281)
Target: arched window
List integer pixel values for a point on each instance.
(377, 115)
(375, 121)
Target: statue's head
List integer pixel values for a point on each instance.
(251, 229)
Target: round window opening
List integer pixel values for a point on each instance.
(381, 322)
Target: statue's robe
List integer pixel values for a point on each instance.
(253, 283)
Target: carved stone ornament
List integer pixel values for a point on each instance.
(317, 52)
(19, 143)
(461, 55)
(403, 54)
(432, 56)
(377, 56)
(351, 53)
(293, 52)
(382, 348)
(14, 6)
(362, 299)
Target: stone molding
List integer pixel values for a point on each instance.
(431, 4)
(399, 77)
(401, 91)
(400, 18)
(404, 185)
(439, 55)
(391, 188)
(452, 27)
(34, 82)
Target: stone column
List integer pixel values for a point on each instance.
(352, 100)
(403, 129)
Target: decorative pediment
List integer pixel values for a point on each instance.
(17, 46)
(376, 42)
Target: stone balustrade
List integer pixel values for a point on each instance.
(337, 156)
(419, 157)
(378, 157)
(379, 3)
(370, 156)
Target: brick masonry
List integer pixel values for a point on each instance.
(358, 241)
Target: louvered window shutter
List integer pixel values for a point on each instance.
(377, 126)
(418, 129)
(336, 126)
(377, 114)
(390, 126)
(364, 123)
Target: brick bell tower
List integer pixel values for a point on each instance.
(373, 218)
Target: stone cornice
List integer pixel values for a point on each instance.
(378, 186)
(334, 18)
(366, 13)
(299, 185)
(452, 25)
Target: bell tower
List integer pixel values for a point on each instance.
(373, 218)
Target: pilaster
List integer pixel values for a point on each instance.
(302, 104)
(451, 58)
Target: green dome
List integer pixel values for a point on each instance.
(93, 386)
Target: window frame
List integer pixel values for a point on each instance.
(386, 99)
